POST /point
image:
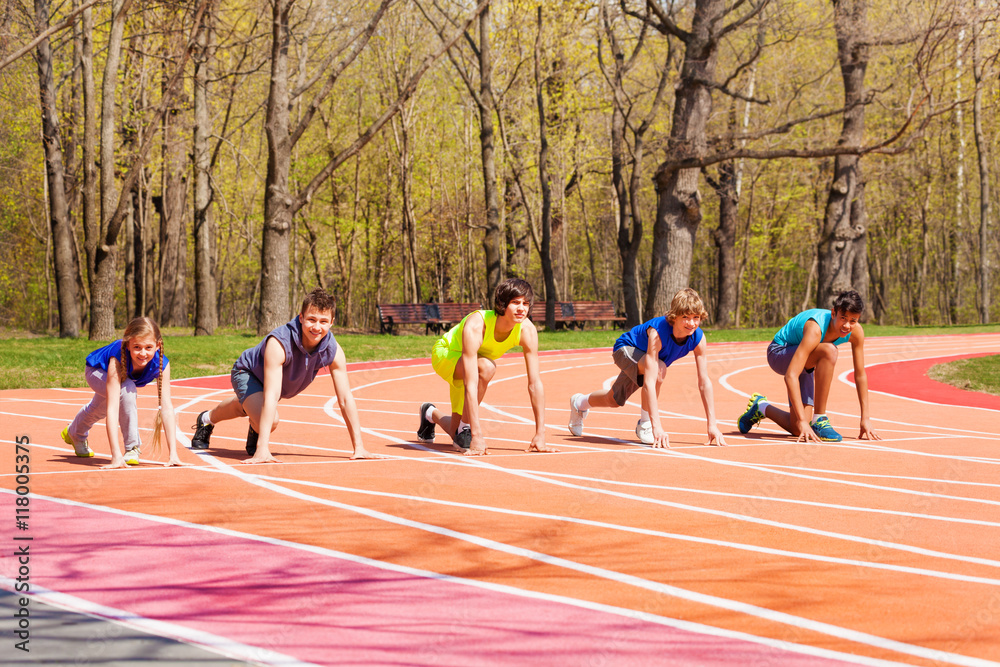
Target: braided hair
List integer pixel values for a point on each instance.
(142, 327)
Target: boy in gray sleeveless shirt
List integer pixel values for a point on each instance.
(282, 366)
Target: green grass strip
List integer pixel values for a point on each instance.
(44, 361)
(978, 374)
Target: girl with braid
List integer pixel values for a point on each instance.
(118, 369)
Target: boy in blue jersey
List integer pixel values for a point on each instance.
(643, 354)
(804, 351)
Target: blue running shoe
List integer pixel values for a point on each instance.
(753, 415)
(821, 427)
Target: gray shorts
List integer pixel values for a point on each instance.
(779, 357)
(244, 384)
(629, 380)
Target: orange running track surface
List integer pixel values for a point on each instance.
(609, 552)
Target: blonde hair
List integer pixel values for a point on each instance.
(684, 302)
(142, 327)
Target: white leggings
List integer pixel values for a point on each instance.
(128, 418)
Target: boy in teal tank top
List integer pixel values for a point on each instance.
(465, 358)
(804, 351)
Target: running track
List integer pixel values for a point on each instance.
(765, 552)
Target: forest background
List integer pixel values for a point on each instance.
(207, 162)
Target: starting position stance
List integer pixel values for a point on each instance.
(643, 354)
(464, 357)
(114, 372)
(804, 351)
(282, 366)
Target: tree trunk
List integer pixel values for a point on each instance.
(274, 261)
(91, 226)
(411, 278)
(842, 249)
(630, 225)
(173, 229)
(956, 230)
(984, 177)
(678, 207)
(206, 307)
(65, 261)
(544, 180)
(725, 241)
(629, 229)
(102, 291)
(493, 236)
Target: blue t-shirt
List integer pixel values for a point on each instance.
(794, 329)
(670, 350)
(100, 357)
(300, 367)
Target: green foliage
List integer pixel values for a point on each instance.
(912, 198)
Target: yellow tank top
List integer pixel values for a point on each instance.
(491, 347)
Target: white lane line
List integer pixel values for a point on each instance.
(831, 480)
(647, 531)
(632, 614)
(479, 462)
(932, 480)
(223, 646)
(627, 579)
(789, 501)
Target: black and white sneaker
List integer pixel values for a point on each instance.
(252, 436)
(426, 431)
(202, 433)
(464, 438)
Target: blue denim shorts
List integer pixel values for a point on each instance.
(779, 357)
(244, 384)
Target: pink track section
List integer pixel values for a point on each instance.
(323, 609)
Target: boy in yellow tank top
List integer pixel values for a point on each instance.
(465, 358)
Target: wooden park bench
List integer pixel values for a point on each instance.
(574, 314)
(436, 317)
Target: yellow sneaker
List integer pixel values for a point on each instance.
(82, 450)
(132, 456)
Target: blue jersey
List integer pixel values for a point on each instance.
(670, 350)
(794, 329)
(99, 359)
(300, 367)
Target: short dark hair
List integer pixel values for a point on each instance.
(509, 290)
(319, 300)
(849, 302)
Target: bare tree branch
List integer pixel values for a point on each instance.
(359, 45)
(305, 196)
(138, 160)
(67, 22)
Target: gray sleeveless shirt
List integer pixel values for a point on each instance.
(300, 367)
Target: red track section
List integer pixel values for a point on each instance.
(909, 378)
(608, 552)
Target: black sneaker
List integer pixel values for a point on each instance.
(202, 433)
(252, 436)
(464, 438)
(426, 431)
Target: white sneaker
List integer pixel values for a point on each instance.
(132, 456)
(576, 417)
(645, 432)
